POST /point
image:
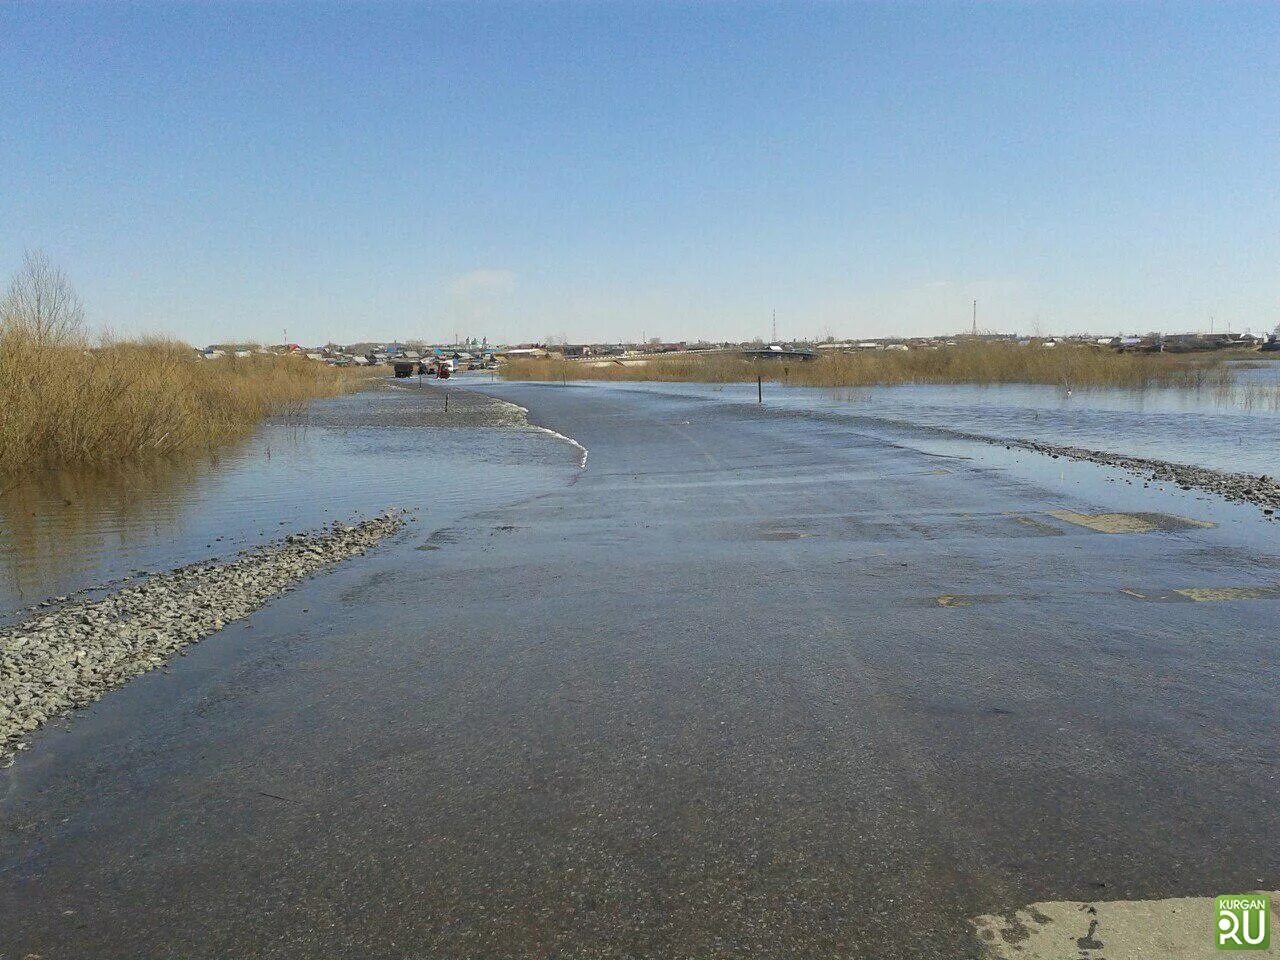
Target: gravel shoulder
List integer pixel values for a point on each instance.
(72, 655)
(1263, 491)
(1247, 488)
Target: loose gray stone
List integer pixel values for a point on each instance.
(71, 657)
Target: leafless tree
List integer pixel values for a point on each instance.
(42, 302)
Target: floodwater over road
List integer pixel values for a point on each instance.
(1235, 428)
(348, 457)
(356, 455)
(760, 681)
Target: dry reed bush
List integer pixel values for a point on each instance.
(1077, 367)
(65, 405)
(1066, 365)
(717, 368)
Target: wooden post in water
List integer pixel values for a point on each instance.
(446, 400)
(759, 388)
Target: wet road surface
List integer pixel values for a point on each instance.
(341, 458)
(755, 684)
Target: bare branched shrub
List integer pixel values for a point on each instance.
(41, 303)
(67, 404)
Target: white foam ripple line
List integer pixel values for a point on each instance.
(569, 440)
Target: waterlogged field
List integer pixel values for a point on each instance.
(349, 456)
(1066, 366)
(66, 405)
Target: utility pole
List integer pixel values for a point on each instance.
(975, 318)
(775, 325)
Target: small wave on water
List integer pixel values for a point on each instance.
(582, 451)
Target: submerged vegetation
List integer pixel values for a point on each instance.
(68, 403)
(1065, 365)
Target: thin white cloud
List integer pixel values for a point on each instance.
(482, 282)
(478, 299)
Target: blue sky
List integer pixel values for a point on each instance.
(610, 170)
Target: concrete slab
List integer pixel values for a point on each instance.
(1177, 928)
(1129, 522)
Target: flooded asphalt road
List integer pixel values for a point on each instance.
(753, 684)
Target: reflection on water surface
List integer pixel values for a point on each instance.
(348, 456)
